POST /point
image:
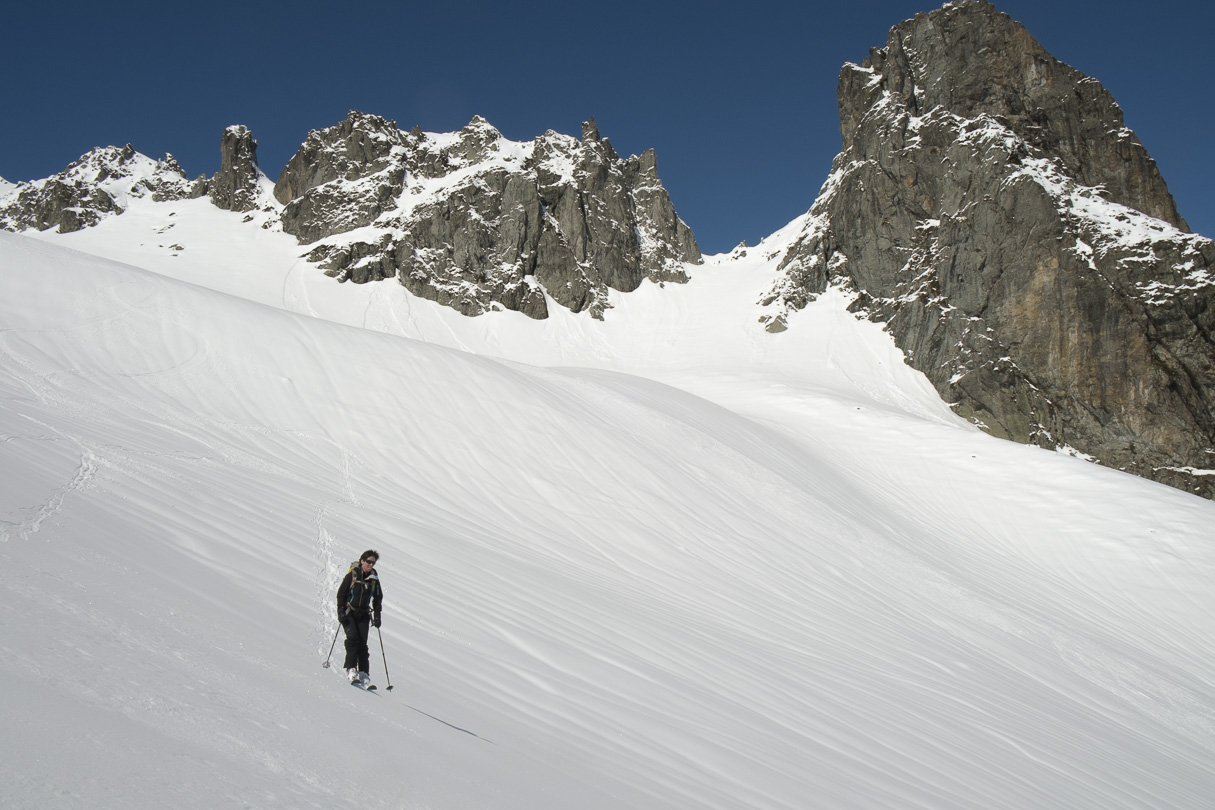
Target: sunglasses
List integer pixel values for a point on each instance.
(371, 561)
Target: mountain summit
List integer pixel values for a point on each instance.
(475, 221)
(100, 183)
(993, 210)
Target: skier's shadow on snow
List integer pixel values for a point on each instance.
(449, 725)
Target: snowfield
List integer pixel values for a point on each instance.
(666, 560)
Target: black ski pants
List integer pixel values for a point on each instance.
(357, 655)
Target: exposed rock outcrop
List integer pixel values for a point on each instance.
(991, 207)
(475, 221)
(235, 186)
(99, 184)
(467, 219)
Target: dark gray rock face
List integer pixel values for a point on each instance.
(992, 209)
(474, 221)
(93, 187)
(342, 178)
(359, 146)
(235, 186)
(972, 60)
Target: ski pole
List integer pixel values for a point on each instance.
(331, 646)
(385, 657)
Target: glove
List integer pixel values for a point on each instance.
(343, 615)
(376, 621)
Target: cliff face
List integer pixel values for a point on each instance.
(991, 207)
(972, 61)
(236, 186)
(475, 221)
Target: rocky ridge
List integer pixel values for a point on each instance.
(993, 210)
(468, 219)
(477, 222)
(98, 184)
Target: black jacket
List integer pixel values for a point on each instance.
(360, 594)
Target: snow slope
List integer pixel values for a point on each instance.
(670, 562)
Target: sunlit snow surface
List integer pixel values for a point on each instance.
(666, 560)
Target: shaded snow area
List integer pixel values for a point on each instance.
(665, 560)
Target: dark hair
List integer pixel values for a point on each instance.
(371, 552)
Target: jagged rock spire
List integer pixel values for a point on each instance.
(235, 186)
(590, 132)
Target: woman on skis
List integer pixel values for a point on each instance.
(359, 601)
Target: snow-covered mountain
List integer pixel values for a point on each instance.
(469, 219)
(990, 207)
(993, 210)
(706, 544)
(100, 183)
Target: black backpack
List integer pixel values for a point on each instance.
(362, 589)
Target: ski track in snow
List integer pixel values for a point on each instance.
(331, 567)
(29, 519)
(674, 564)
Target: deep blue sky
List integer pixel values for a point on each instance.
(738, 99)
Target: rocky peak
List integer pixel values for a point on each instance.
(477, 222)
(356, 147)
(236, 186)
(99, 183)
(992, 210)
(477, 141)
(590, 132)
(969, 59)
(342, 177)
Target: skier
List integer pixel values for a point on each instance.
(359, 601)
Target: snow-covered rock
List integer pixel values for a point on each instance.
(239, 185)
(468, 219)
(991, 207)
(475, 221)
(99, 184)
